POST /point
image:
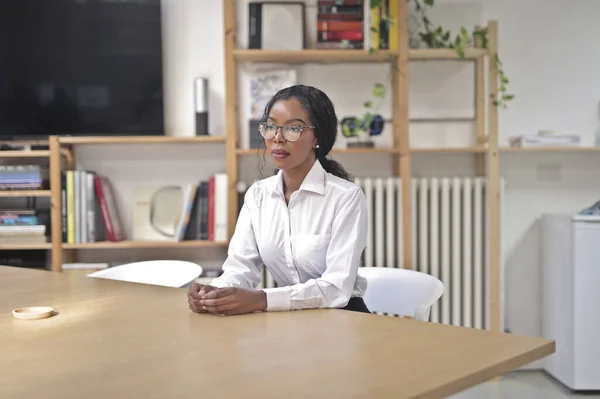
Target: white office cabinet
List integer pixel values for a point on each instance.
(571, 298)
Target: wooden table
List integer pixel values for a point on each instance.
(121, 340)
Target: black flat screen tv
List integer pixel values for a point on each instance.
(80, 67)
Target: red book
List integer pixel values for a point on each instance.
(343, 35)
(336, 26)
(114, 229)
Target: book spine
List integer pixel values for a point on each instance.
(340, 45)
(70, 207)
(63, 206)
(77, 205)
(341, 2)
(254, 26)
(375, 12)
(339, 26)
(338, 36)
(91, 207)
(384, 36)
(204, 218)
(393, 30)
(104, 208)
(211, 209)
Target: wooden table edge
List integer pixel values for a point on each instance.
(489, 373)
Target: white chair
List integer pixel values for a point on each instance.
(168, 273)
(401, 291)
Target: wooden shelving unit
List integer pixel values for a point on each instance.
(25, 154)
(449, 150)
(367, 151)
(65, 147)
(25, 193)
(21, 247)
(349, 56)
(145, 244)
(485, 150)
(550, 149)
(141, 140)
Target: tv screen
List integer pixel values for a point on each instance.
(80, 67)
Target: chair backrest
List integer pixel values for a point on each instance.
(168, 273)
(401, 291)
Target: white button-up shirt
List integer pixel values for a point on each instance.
(312, 246)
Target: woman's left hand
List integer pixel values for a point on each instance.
(234, 301)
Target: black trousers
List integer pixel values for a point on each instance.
(356, 304)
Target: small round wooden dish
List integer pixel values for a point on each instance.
(32, 313)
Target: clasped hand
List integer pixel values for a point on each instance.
(225, 301)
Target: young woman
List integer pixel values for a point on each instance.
(307, 225)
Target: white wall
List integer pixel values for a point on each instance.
(549, 54)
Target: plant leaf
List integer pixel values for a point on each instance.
(378, 90)
(429, 2)
(460, 50)
(376, 3)
(368, 104)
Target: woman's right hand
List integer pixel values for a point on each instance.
(195, 294)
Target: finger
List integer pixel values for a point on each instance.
(195, 308)
(219, 293)
(222, 309)
(217, 301)
(195, 287)
(194, 295)
(205, 289)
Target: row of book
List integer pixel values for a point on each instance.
(196, 211)
(21, 226)
(354, 24)
(205, 217)
(89, 211)
(341, 24)
(20, 177)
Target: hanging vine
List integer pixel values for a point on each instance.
(433, 37)
(438, 37)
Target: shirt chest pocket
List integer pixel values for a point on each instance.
(311, 253)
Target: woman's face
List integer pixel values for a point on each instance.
(287, 154)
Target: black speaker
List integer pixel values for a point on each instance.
(201, 106)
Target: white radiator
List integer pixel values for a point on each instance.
(449, 226)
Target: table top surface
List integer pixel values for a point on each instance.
(117, 339)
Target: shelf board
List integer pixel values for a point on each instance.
(444, 54)
(349, 56)
(550, 149)
(311, 55)
(25, 154)
(141, 139)
(24, 193)
(254, 151)
(145, 244)
(25, 246)
(448, 150)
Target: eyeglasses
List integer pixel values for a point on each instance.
(290, 132)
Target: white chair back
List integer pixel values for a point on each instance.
(168, 273)
(401, 291)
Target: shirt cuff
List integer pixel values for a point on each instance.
(219, 283)
(278, 299)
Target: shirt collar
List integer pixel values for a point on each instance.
(314, 180)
